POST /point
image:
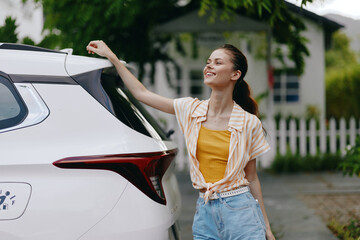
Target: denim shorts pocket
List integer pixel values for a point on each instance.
(238, 203)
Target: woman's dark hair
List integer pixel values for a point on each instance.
(242, 93)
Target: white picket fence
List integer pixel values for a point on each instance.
(311, 140)
(303, 140)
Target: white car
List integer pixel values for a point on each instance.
(80, 158)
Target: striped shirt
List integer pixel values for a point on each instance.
(247, 142)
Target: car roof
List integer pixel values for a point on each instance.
(23, 59)
(23, 47)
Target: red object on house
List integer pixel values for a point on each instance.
(271, 77)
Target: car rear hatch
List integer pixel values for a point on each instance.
(144, 170)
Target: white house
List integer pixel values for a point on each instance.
(291, 94)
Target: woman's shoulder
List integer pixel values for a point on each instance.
(251, 120)
(188, 104)
(188, 101)
(249, 117)
(183, 100)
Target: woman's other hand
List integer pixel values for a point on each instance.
(100, 48)
(269, 234)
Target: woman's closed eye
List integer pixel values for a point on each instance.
(216, 62)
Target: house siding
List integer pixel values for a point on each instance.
(312, 81)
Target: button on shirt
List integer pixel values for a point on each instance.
(247, 142)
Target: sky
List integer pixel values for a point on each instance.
(347, 8)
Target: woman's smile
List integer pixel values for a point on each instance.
(209, 74)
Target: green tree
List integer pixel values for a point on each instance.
(126, 25)
(340, 55)
(286, 27)
(8, 31)
(342, 79)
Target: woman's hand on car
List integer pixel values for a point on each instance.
(100, 48)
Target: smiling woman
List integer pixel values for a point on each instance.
(224, 137)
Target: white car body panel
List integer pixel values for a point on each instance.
(16, 192)
(32, 63)
(78, 64)
(146, 220)
(61, 201)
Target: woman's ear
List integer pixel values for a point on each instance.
(236, 75)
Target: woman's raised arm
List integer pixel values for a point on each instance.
(132, 83)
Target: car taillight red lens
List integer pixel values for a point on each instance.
(144, 170)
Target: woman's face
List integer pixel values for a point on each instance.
(219, 71)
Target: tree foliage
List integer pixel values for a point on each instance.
(127, 25)
(342, 79)
(8, 31)
(342, 93)
(286, 26)
(124, 24)
(9, 34)
(340, 55)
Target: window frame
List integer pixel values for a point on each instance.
(11, 122)
(140, 121)
(284, 91)
(196, 83)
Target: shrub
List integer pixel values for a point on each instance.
(292, 163)
(342, 88)
(349, 231)
(342, 79)
(351, 163)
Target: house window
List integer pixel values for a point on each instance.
(196, 81)
(286, 86)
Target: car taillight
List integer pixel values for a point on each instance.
(144, 170)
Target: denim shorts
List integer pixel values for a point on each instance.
(237, 217)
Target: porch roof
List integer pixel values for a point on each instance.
(186, 19)
(191, 22)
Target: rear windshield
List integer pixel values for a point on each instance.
(126, 108)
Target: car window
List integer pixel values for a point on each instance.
(12, 109)
(127, 109)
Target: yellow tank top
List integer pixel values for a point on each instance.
(212, 153)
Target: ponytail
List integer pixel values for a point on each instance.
(242, 92)
(243, 97)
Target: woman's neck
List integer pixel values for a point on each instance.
(220, 104)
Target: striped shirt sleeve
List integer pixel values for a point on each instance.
(259, 145)
(182, 108)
